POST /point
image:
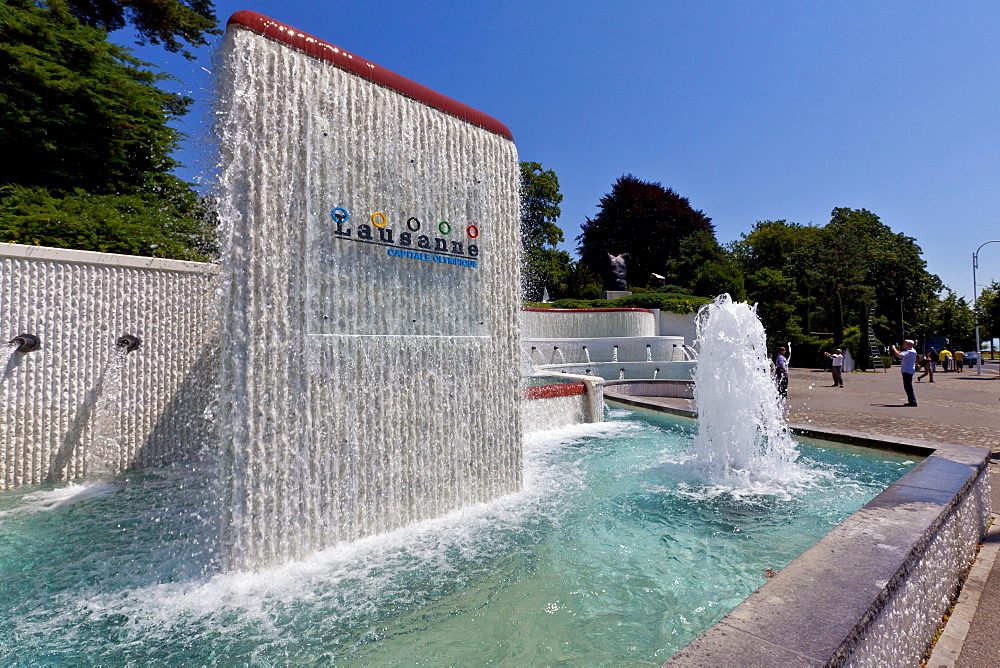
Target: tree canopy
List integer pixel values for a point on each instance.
(166, 22)
(988, 307)
(825, 279)
(543, 266)
(89, 129)
(643, 219)
(76, 110)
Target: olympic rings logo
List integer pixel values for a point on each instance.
(340, 215)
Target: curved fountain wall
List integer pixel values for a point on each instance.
(74, 407)
(370, 365)
(608, 343)
(594, 350)
(553, 323)
(552, 406)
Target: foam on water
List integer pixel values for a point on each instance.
(52, 499)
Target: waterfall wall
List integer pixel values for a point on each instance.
(371, 290)
(56, 403)
(550, 323)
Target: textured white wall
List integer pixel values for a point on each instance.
(556, 324)
(569, 351)
(68, 409)
(633, 370)
(678, 324)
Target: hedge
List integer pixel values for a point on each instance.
(674, 303)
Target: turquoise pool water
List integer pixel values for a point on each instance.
(614, 553)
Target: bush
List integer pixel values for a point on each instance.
(581, 303)
(674, 289)
(166, 223)
(674, 303)
(671, 302)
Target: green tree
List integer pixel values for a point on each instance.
(988, 307)
(643, 219)
(583, 283)
(167, 22)
(781, 261)
(705, 267)
(87, 124)
(894, 267)
(842, 273)
(132, 224)
(775, 298)
(76, 110)
(542, 265)
(954, 319)
(836, 273)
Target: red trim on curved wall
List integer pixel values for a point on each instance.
(581, 310)
(364, 68)
(552, 391)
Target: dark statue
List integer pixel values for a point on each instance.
(615, 279)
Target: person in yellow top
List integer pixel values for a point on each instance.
(945, 358)
(959, 359)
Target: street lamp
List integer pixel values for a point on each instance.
(975, 302)
(902, 327)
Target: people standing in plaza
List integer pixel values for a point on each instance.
(907, 366)
(959, 357)
(781, 372)
(837, 366)
(928, 366)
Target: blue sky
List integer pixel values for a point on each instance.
(752, 110)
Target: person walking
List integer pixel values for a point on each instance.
(781, 372)
(928, 367)
(959, 357)
(837, 366)
(907, 367)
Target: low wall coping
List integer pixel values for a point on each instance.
(67, 255)
(555, 390)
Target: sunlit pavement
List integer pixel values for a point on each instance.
(962, 408)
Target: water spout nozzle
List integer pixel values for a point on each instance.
(25, 343)
(129, 343)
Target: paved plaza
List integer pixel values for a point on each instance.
(961, 408)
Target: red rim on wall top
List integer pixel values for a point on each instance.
(323, 50)
(552, 391)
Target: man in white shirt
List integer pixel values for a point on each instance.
(907, 367)
(838, 367)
